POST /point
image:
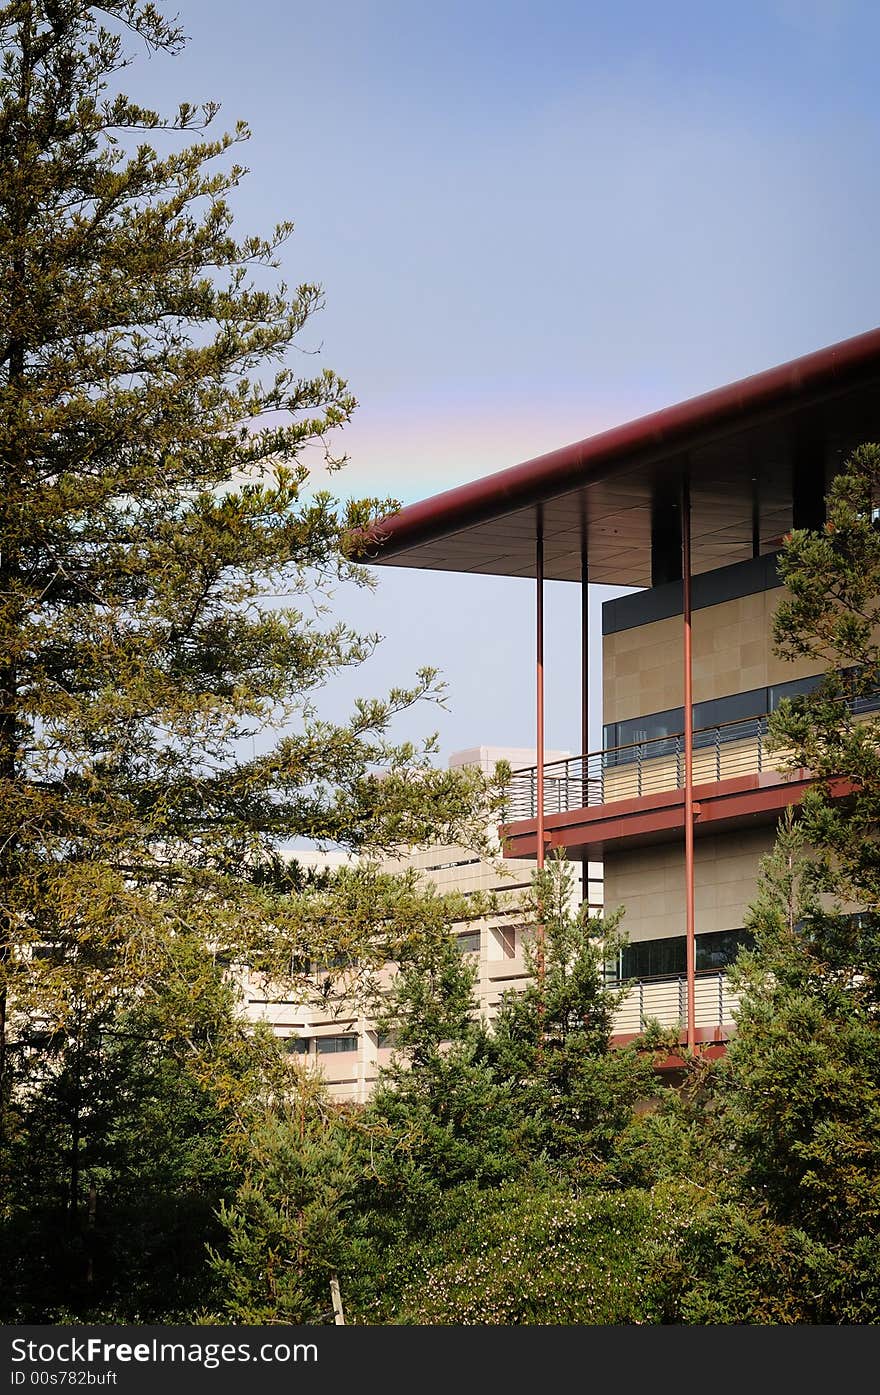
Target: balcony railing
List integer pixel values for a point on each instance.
(640, 768)
(665, 1001)
(653, 766)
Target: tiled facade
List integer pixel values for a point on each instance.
(732, 653)
(647, 882)
(642, 674)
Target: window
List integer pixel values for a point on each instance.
(507, 940)
(297, 1046)
(386, 1041)
(668, 957)
(736, 714)
(328, 1046)
(717, 950)
(469, 942)
(442, 866)
(797, 688)
(735, 707)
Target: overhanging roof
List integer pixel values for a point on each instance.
(738, 445)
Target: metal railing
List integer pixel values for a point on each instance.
(665, 1000)
(639, 768)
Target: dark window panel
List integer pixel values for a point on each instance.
(668, 957)
(327, 1046)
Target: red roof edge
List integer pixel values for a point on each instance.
(544, 477)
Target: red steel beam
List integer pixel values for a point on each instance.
(539, 696)
(585, 699)
(660, 817)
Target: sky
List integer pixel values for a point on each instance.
(533, 221)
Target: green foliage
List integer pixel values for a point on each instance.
(551, 1042)
(166, 559)
(802, 1104)
(542, 1083)
(431, 999)
(795, 1134)
(832, 613)
(545, 1257)
(788, 1222)
(729, 1264)
(471, 1120)
(167, 565)
(169, 553)
(285, 1231)
(150, 1107)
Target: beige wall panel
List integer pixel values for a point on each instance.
(732, 653)
(649, 883)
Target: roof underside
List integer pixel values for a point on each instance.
(739, 447)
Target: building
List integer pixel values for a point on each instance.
(690, 504)
(340, 1040)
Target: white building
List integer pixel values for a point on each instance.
(341, 1041)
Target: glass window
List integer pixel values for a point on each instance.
(718, 950)
(658, 733)
(297, 1046)
(328, 1046)
(654, 958)
(798, 687)
(728, 718)
(668, 957)
(649, 728)
(507, 940)
(734, 707)
(469, 942)
(609, 736)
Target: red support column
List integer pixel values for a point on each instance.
(585, 705)
(539, 637)
(539, 741)
(690, 918)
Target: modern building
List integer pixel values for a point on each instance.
(337, 1037)
(690, 504)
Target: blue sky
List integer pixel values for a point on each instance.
(533, 221)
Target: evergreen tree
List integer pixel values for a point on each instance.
(786, 1227)
(831, 613)
(794, 1135)
(552, 1043)
(162, 549)
(134, 1130)
(805, 1063)
(166, 565)
(285, 1227)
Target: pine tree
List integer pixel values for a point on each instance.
(785, 1226)
(285, 1227)
(575, 1094)
(795, 1129)
(166, 561)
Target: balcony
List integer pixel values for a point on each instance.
(639, 769)
(664, 1000)
(636, 792)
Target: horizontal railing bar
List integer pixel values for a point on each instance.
(636, 768)
(632, 746)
